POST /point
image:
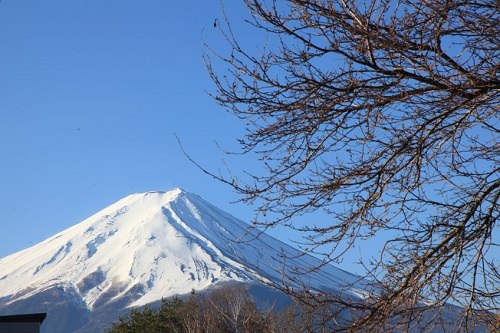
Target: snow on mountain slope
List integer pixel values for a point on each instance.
(155, 245)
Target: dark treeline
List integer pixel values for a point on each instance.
(226, 310)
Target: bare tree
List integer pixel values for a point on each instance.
(193, 316)
(234, 305)
(383, 113)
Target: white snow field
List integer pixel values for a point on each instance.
(155, 245)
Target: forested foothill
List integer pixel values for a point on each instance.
(225, 310)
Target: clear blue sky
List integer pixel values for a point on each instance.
(92, 94)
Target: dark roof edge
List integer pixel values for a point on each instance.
(24, 318)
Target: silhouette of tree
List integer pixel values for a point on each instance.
(384, 114)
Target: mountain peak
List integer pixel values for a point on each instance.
(157, 242)
(170, 194)
(152, 245)
(176, 191)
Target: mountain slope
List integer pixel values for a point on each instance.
(153, 245)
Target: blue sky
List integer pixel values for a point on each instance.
(92, 94)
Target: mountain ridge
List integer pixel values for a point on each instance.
(152, 245)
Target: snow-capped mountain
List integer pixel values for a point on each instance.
(153, 245)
